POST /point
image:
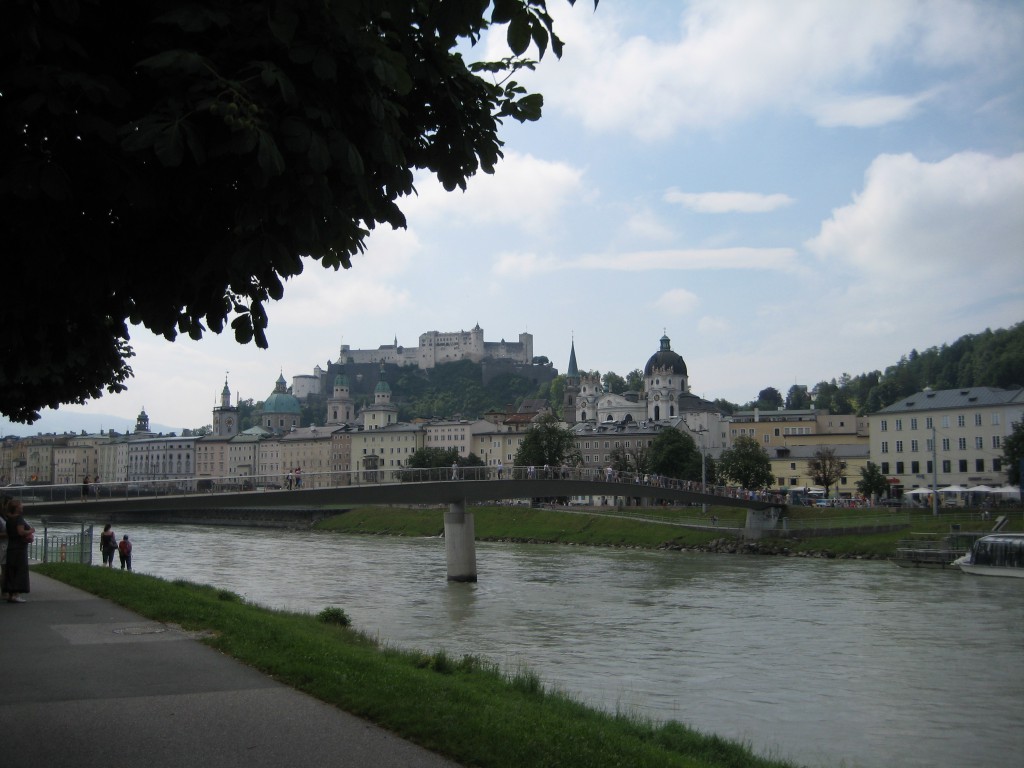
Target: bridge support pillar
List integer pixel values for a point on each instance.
(759, 521)
(460, 543)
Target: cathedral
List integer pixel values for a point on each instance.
(666, 396)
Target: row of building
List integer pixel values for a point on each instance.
(952, 437)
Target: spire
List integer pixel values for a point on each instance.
(573, 371)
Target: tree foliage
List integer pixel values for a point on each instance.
(872, 483)
(826, 468)
(547, 442)
(674, 454)
(173, 164)
(747, 464)
(988, 359)
(1013, 453)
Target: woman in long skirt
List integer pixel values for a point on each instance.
(18, 535)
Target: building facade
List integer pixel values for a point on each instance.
(949, 437)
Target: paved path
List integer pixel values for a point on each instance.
(86, 683)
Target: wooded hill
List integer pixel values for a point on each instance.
(992, 359)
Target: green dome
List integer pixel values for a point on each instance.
(282, 402)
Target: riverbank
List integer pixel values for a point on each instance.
(671, 528)
(465, 708)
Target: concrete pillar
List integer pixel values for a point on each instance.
(460, 543)
(761, 520)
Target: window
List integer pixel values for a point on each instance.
(977, 419)
(945, 422)
(915, 467)
(979, 465)
(945, 443)
(899, 467)
(928, 423)
(961, 443)
(792, 465)
(928, 466)
(946, 465)
(997, 441)
(995, 419)
(885, 467)
(929, 444)
(767, 437)
(885, 446)
(979, 443)
(899, 446)
(913, 423)
(997, 465)
(899, 425)
(962, 464)
(885, 425)
(913, 446)
(777, 434)
(961, 421)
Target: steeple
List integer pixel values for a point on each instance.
(572, 387)
(573, 372)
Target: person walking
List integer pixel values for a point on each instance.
(108, 545)
(124, 551)
(19, 535)
(85, 488)
(501, 469)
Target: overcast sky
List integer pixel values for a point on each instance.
(790, 190)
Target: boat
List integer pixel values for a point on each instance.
(998, 554)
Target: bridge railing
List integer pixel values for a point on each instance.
(298, 480)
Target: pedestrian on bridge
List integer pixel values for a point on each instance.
(501, 469)
(455, 470)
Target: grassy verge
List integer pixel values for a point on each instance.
(463, 708)
(635, 528)
(528, 524)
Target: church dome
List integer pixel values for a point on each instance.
(280, 401)
(665, 359)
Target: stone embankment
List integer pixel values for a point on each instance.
(737, 547)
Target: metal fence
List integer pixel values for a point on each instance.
(62, 543)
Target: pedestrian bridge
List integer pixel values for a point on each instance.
(456, 487)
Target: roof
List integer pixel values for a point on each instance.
(968, 397)
(665, 359)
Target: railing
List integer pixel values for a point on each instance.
(60, 543)
(160, 487)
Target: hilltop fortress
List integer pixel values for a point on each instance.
(436, 347)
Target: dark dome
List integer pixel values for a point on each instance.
(665, 358)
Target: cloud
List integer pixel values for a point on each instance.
(867, 111)
(647, 225)
(693, 259)
(524, 191)
(931, 247)
(677, 301)
(731, 61)
(726, 202)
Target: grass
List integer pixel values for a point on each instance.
(652, 528)
(503, 523)
(464, 708)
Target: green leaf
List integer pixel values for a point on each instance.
(519, 34)
(269, 156)
(169, 147)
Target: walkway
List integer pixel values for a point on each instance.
(88, 684)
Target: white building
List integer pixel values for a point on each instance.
(436, 347)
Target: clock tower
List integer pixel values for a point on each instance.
(225, 416)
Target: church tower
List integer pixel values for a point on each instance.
(572, 387)
(665, 379)
(225, 416)
(340, 409)
(383, 412)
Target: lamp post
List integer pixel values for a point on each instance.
(935, 476)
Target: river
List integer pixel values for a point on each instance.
(837, 663)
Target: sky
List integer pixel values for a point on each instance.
(788, 190)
